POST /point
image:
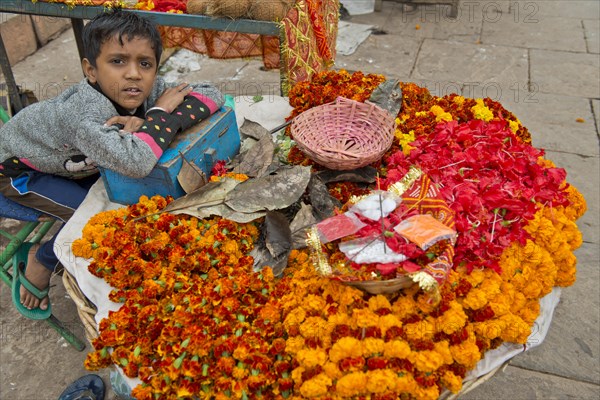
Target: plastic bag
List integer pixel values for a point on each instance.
(369, 250)
(338, 226)
(424, 230)
(377, 205)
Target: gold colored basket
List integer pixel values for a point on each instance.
(344, 134)
(382, 287)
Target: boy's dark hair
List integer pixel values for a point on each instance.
(117, 23)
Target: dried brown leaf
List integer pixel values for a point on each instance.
(324, 204)
(258, 158)
(274, 245)
(209, 195)
(270, 192)
(303, 220)
(361, 175)
(388, 96)
(190, 177)
(253, 130)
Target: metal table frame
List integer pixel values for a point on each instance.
(78, 13)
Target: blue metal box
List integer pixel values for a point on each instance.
(216, 138)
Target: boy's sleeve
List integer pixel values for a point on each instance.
(135, 154)
(160, 127)
(203, 101)
(158, 130)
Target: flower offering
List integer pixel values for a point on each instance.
(478, 215)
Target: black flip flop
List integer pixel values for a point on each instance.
(88, 387)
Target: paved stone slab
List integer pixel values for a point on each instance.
(583, 9)
(35, 361)
(584, 173)
(18, 37)
(506, 93)
(390, 12)
(47, 28)
(389, 55)
(568, 351)
(573, 74)
(596, 108)
(438, 87)
(236, 77)
(591, 30)
(491, 10)
(433, 21)
(465, 62)
(552, 33)
(517, 383)
(552, 121)
(48, 75)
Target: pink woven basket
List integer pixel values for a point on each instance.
(344, 134)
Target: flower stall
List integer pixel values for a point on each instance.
(305, 44)
(189, 313)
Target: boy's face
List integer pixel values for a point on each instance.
(124, 73)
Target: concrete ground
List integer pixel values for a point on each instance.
(540, 59)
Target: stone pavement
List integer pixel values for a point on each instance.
(540, 59)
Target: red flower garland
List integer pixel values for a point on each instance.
(492, 180)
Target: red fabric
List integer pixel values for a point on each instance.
(424, 198)
(170, 5)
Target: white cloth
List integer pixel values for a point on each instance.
(496, 357)
(95, 289)
(270, 112)
(350, 36)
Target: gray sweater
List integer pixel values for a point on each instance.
(66, 135)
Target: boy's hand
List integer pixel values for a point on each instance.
(127, 124)
(173, 97)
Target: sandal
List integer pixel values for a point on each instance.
(19, 267)
(88, 387)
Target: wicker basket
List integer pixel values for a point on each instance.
(344, 134)
(85, 308)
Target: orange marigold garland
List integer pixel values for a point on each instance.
(326, 86)
(196, 320)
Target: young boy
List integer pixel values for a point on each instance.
(121, 117)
